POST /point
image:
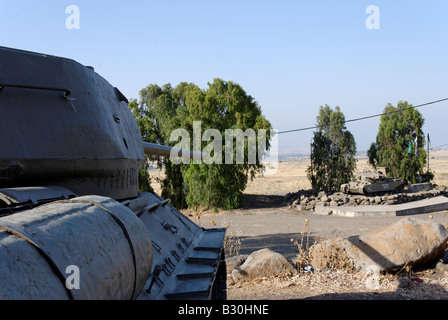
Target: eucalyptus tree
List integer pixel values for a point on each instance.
(333, 151)
(222, 107)
(399, 145)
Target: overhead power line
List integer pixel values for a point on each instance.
(366, 117)
(438, 147)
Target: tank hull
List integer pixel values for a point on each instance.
(74, 249)
(142, 248)
(369, 183)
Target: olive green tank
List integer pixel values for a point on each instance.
(373, 183)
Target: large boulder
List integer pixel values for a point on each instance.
(409, 241)
(235, 262)
(263, 263)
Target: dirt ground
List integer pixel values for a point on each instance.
(269, 224)
(265, 221)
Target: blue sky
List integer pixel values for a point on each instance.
(291, 56)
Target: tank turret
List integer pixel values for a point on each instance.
(73, 224)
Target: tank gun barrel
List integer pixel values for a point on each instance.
(166, 151)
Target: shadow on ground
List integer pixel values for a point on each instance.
(262, 201)
(280, 242)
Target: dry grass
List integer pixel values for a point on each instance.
(232, 245)
(439, 165)
(290, 177)
(303, 245)
(337, 284)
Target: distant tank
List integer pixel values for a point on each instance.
(73, 224)
(373, 183)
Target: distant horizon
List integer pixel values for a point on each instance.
(358, 153)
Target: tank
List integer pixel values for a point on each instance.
(73, 224)
(373, 183)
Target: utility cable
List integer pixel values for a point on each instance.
(366, 117)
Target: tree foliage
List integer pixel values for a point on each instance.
(333, 151)
(400, 131)
(222, 106)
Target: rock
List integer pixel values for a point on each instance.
(440, 266)
(321, 194)
(305, 200)
(372, 281)
(351, 203)
(333, 203)
(401, 283)
(410, 240)
(263, 263)
(310, 205)
(234, 262)
(306, 196)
